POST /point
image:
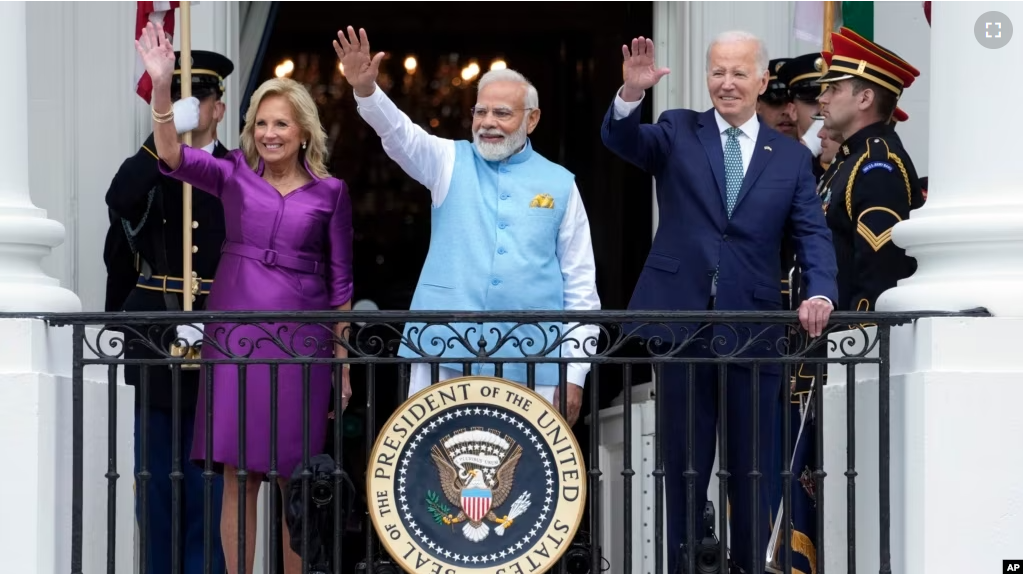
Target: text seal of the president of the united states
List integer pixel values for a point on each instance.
(478, 475)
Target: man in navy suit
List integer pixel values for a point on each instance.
(729, 188)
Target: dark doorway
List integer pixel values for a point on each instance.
(571, 51)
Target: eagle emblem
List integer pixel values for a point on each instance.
(476, 470)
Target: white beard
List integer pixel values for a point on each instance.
(503, 149)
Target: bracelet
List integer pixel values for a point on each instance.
(163, 118)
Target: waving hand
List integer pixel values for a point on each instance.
(157, 53)
(638, 70)
(360, 69)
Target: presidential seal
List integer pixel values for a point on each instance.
(476, 474)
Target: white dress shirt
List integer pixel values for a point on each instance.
(430, 160)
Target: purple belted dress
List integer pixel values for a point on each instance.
(282, 253)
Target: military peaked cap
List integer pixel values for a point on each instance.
(800, 74)
(856, 57)
(777, 90)
(208, 72)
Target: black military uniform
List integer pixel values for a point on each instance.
(146, 209)
(875, 186)
(121, 264)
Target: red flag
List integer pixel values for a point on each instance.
(157, 13)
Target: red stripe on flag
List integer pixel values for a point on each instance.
(155, 12)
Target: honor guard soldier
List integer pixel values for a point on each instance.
(800, 74)
(876, 185)
(802, 438)
(775, 105)
(869, 187)
(149, 207)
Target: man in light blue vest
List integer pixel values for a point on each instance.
(508, 231)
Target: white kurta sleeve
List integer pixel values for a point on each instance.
(426, 158)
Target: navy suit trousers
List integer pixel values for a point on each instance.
(737, 458)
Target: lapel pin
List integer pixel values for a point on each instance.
(768, 148)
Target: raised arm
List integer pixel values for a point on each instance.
(425, 158)
(129, 191)
(644, 146)
(157, 53)
(181, 162)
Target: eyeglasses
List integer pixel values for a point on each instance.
(502, 114)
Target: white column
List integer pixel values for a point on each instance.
(36, 360)
(26, 235)
(957, 438)
(968, 237)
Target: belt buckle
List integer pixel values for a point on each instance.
(270, 257)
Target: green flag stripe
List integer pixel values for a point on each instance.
(859, 17)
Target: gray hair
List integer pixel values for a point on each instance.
(733, 36)
(508, 75)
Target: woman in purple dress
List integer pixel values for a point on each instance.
(288, 248)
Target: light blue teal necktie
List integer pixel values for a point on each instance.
(733, 175)
(733, 168)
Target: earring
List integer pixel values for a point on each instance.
(303, 145)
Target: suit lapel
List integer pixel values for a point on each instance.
(761, 156)
(710, 138)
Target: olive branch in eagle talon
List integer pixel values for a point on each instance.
(461, 485)
(438, 509)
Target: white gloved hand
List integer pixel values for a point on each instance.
(186, 115)
(192, 333)
(810, 137)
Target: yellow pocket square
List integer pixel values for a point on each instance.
(542, 200)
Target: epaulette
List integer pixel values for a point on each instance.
(877, 156)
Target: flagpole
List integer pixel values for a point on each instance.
(190, 286)
(187, 288)
(829, 24)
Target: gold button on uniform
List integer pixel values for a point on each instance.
(195, 249)
(195, 225)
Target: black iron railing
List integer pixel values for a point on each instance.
(626, 342)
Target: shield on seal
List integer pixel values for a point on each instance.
(476, 503)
